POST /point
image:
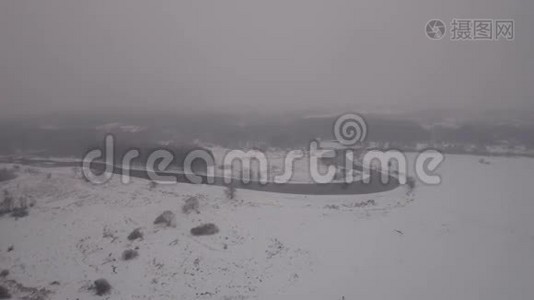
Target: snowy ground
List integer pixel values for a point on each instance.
(472, 237)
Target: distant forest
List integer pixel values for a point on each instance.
(75, 135)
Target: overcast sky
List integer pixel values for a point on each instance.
(268, 55)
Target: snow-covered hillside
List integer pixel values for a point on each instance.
(472, 237)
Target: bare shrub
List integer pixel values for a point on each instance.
(32, 171)
(9, 206)
(167, 218)
(76, 171)
(24, 292)
(4, 273)
(4, 293)
(7, 174)
(129, 254)
(19, 212)
(152, 185)
(23, 202)
(230, 192)
(205, 229)
(410, 182)
(331, 206)
(191, 204)
(369, 202)
(109, 233)
(101, 287)
(7, 203)
(135, 234)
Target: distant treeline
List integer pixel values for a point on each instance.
(74, 136)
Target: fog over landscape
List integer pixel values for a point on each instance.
(269, 56)
(297, 149)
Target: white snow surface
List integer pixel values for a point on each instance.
(472, 237)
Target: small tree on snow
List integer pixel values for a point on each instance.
(410, 182)
(230, 192)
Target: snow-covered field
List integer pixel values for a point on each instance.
(472, 237)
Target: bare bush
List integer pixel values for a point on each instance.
(191, 204)
(135, 234)
(331, 206)
(410, 182)
(483, 161)
(129, 254)
(77, 172)
(167, 218)
(101, 287)
(205, 229)
(16, 209)
(32, 171)
(108, 233)
(369, 202)
(19, 212)
(7, 203)
(230, 192)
